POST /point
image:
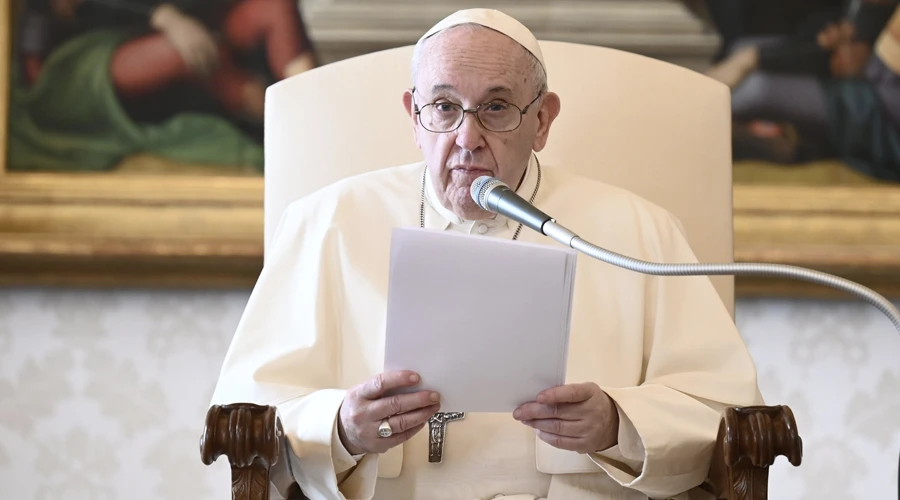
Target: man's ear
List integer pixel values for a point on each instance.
(550, 107)
(410, 110)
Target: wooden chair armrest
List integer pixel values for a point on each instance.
(251, 437)
(749, 441)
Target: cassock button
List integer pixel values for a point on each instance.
(482, 228)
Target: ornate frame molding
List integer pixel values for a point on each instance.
(156, 231)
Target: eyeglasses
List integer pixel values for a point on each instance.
(495, 116)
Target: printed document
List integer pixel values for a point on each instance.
(484, 321)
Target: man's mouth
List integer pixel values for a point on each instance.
(472, 170)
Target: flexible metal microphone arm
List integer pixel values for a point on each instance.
(494, 196)
(566, 237)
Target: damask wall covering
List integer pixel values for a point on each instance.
(103, 394)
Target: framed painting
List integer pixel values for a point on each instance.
(131, 138)
(110, 177)
(820, 191)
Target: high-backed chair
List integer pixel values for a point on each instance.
(659, 130)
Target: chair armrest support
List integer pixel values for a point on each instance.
(251, 437)
(750, 439)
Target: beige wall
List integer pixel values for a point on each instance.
(103, 394)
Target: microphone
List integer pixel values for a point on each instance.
(493, 195)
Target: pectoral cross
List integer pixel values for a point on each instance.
(437, 427)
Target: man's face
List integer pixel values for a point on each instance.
(473, 67)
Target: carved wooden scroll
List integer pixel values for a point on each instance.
(250, 436)
(750, 439)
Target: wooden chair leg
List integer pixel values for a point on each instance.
(251, 437)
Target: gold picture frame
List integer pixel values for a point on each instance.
(144, 230)
(135, 229)
(851, 231)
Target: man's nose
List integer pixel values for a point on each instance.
(470, 134)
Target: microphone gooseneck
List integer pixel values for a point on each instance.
(494, 196)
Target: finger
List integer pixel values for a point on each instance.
(572, 393)
(402, 403)
(384, 444)
(411, 420)
(376, 387)
(564, 442)
(559, 427)
(535, 411)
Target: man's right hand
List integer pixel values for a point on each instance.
(365, 406)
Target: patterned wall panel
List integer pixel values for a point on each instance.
(103, 394)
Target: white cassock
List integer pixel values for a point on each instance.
(664, 349)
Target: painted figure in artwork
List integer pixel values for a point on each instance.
(97, 80)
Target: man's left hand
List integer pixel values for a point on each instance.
(575, 417)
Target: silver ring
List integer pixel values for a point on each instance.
(384, 430)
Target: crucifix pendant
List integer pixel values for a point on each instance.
(437, 427)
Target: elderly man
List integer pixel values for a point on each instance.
(652, 360)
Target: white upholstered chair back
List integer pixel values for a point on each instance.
(654, 128)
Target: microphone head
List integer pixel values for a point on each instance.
(481, 187)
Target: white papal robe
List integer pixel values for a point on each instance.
(665, 349)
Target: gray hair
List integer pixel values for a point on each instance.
(538, 73)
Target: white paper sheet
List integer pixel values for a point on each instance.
(484, 321)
